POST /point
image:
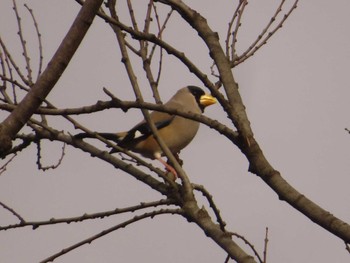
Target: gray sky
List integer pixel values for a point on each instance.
(297, 98)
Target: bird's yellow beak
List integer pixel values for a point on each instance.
(207, 100)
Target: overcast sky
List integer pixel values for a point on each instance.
(297, 96)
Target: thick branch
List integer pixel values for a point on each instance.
(19, 117)
(104, 156)
(248, 145)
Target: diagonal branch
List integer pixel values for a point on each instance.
(84, 217)
(17, 119)
(112, 229)
(258, 164)
(20, 218)
(263, 37)
(139, 97)
(53, 134)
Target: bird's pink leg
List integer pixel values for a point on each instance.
(167, 166)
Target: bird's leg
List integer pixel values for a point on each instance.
(168, 167)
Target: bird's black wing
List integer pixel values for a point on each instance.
(142, 131)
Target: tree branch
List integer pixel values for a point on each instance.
(110, 230)
(17, 119)
(258, 164)
(84, 217)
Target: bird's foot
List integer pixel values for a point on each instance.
(168, 167)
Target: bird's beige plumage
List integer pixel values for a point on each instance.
(176, 132)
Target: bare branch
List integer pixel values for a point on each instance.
(52, 134)
(4, 166)
(39, 157)
(17, 119)
(112, 229)
(261, 40)
(11, 61)
(258, 164)
(126, 105)
(213, 206)
(236, 15)
(40, 47)
(20, 218)
(84, 217)
(29, 80)
(265, 244)
(138, 94)
(249, 244)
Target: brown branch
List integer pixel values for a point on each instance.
(39, 157)
(112, 229)
(84, 217)
(4, 166)
(147, 60)
(40, 127)
(3, 87)
(234, 106)
(261, 40)
(133, 80)
(29, 80)
(265, 244)
(20, 218)
(161, 28)
(40, 47)
(53, 134)
(237, 14)
(126, 105)
(212, 204)
(10, 61)
(17, 119)
(170, 50)
(249, 244)
(259, 165)
(201, 217)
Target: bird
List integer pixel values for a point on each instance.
(176, 131)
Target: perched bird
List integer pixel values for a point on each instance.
(176, 132)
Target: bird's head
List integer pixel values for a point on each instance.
(202, 98)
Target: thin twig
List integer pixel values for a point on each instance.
(134, 83)
(265, 244)
(125, 105)
(239, 15)
(39, 157)
(260, 41)
(138, 160)
(144, 53)
(29, 81)
(110, 230)
(20, 218)
(40, 47)
(84, 217)
(212, 204)
(4, 166)
(249, 244)
(12, 62)
(3, 87)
